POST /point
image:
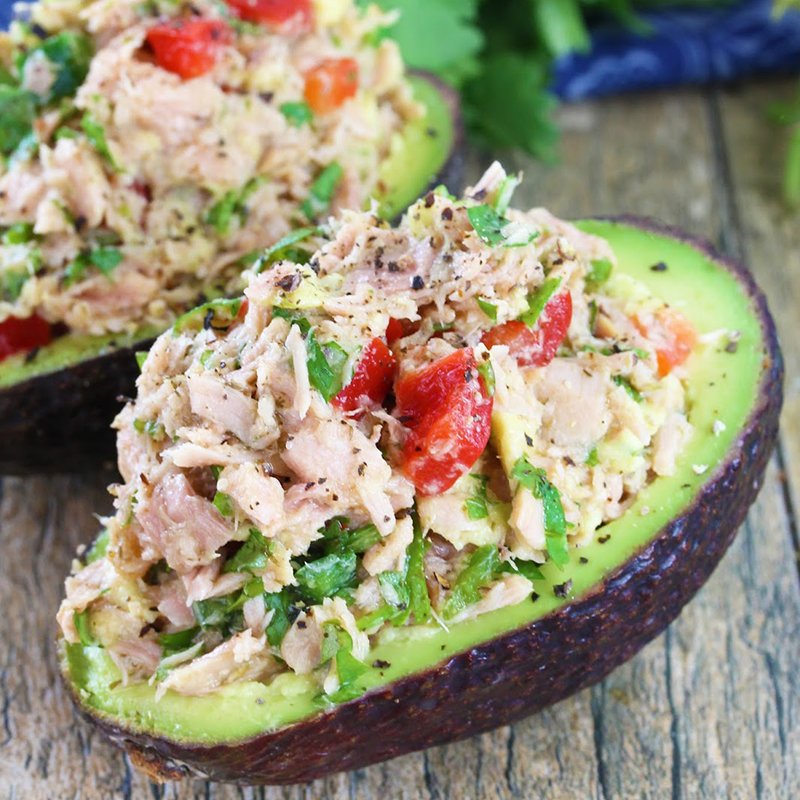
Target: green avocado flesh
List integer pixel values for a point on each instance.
(415, 158)
(723, 386)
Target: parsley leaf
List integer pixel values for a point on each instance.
(481, 568)
(497, 230)
(326, 576)
(284, 248)
(476, 505)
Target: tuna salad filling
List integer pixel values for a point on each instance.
(151, 150)
(397, 432)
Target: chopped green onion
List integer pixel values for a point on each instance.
(19, 233)
(538, 299)
(486, 371)
(490, 309)
(98, 548)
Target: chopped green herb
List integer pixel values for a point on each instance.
(19, 233)
(223, 503)
(486, 371)
(495, 229)
(220, 612)
(322, 190)
(11, 284)
(419, 600)
(481, 568)
(592, 459)
(155, 430)
(253, 555)
(98, 548)
(505, 192)
(83, 626)
(96, 134)
(232, 204)
(555, 525)
(632, 391)
(284, 612)
(337, 644)
(476, 505)
(490, 309)
(104, 258)
(282, 248)
(361, 539)
(325, 363)
(599, 273)
(528, 569)
(297, 114)
(177, 642)
(394, 589)
(205, 357)
(219, 314)
(17, 112)
(68, 55)
(326, 576)
(65, 133)
(538, 299)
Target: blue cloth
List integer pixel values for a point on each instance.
(690, 46)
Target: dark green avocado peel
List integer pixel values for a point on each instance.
(427, 685)
(56, 403)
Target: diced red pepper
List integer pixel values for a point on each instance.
(188, 47)
(331, 83)
(535, 347)
(400, 328)
(447, 410)
(372, 378)
(20, 334)
(286, 15)
(673, 336)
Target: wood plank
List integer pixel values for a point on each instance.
(769, 234)
(708, 710)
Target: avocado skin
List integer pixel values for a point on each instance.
(517, 674)
(59, 422)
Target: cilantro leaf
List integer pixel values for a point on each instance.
(252, 555)
(17, 112)
(481, 568)
(555, 525)
(326, 576)
(322, 190)
(68, 55)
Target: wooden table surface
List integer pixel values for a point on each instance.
(711, 709)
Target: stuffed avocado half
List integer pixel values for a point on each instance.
(137, 183)
(531, 444)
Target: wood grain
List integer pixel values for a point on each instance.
(711, 709)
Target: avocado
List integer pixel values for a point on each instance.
(56, 402)
(426, 685)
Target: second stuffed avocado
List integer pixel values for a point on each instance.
(555, 437)
(129, 216)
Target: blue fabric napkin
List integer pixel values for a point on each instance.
(685, 46)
